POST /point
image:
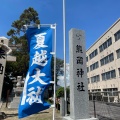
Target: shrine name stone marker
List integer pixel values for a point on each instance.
(3, 55)
(2, 70)
(4, 52)
(79, 103)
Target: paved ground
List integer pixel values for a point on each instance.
(103, 112)
(12, 114)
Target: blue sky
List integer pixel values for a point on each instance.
(92, 16)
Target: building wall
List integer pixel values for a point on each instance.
(107, 69)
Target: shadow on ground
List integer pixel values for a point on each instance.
(11, 115)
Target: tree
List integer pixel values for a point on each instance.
(60, 92)
(59, 64)
(18, 38)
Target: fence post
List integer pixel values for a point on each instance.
(108, 97)
(92, 96)
(118, 97)
(94, 108)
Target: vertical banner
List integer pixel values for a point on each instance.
(39, 73)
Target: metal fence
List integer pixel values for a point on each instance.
(105, 105)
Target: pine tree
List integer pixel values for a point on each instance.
(18, 39)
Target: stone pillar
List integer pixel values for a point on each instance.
(2, 70)
(62, 106)
(79, 103)
(4, 51)
(18, 90)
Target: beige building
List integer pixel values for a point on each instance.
(103, 61)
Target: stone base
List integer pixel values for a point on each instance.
(68, 118)
(15, 103)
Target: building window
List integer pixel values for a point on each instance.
(96, 90)
(118, 53)
(111, 57)
(107, 59)
(105, 45)
(113, 74)
(95, 79)
(108, 75)
(93, 54)
(119, 71)
(117, 35)
(94, 66)
(102, 62)
(87, 59)
(109, 41)
(88, 80)
(103, 77)
(87, 69)
(110, 91)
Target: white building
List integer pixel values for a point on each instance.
(103, 61)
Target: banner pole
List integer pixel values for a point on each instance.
(64, 41)
(37, 25)
(54, 70)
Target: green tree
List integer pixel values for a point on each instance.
(60, 92)
(59, 64)
(18, 39)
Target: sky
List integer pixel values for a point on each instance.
(92, 16)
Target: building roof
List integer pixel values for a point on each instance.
(3, 37)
